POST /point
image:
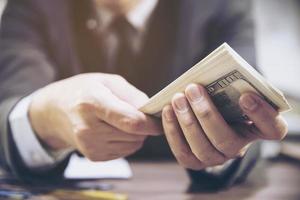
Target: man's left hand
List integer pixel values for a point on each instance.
(199, 136)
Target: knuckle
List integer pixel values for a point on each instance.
(119, 77)
(182, 154)
(133, 125)
(83, 104)
(226, 148)
(80, 131)
(203, 110)
(280, 130)
(205, 157)
(189, 122)
(83, 137)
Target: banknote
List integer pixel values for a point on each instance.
(226, 92)
(226, 76)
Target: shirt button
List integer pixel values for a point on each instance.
(91, 24)
(35, 157)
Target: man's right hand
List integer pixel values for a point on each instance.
(95, 113)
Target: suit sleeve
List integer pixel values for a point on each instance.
(25, 66)
(231, 23)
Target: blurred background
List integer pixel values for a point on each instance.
(2, 4)
(278, 42)
(278, 53)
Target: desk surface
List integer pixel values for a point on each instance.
(167, 181)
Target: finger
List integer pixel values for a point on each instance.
(115, 135)
(177, 142)
(221, 135)
(246, 129)
(125, 148)
(196, 138)
(264, 116)
(88, 141)
(84, 115)
(84, 119)
(126, 91)
(103, 131)
(116, 150)
(125, 117)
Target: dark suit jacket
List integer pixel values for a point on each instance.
(42, 41)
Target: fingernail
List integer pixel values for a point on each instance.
(249, 103)
(181, 103)
(169, 114)
(193, 93)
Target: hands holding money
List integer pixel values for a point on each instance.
(98, 115)
(95, 114)
(199, 137)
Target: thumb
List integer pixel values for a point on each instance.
(126, 117)
(125, 91)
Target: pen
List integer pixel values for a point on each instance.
(104, 195)
(14, 195)
(90, 194)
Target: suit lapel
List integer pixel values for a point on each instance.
(173, 45)
(190, 40)
(153, 69)
(88, 39)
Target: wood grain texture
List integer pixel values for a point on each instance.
(168, 181)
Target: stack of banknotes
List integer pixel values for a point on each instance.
(226, 76)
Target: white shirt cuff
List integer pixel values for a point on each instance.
(219, 168)
(34, 155)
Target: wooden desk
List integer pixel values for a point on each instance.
(167, 181)
(278, 180)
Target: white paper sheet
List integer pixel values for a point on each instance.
(82, 168)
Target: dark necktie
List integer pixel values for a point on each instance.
(123, 60)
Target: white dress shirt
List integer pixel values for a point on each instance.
(34, 155)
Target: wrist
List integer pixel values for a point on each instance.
(42, 122)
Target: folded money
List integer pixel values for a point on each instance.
(226, 76)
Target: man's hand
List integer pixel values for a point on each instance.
(94, 113)
(199, 136)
